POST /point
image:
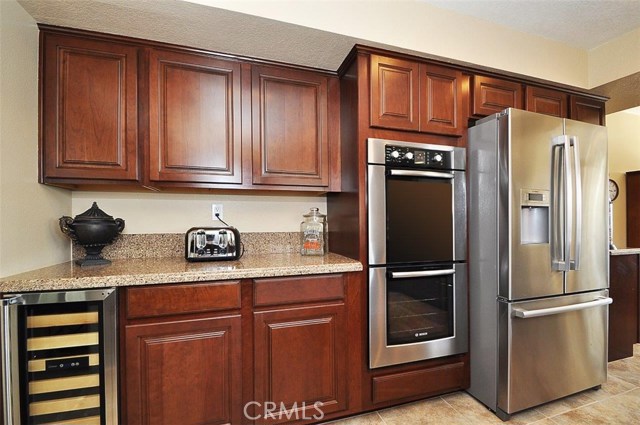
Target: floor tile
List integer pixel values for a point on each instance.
(618, 409)
(368, 419)
(434, 411)
(613, 386)
(626, 369)
(477, 413)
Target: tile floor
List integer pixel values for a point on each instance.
(617, 402)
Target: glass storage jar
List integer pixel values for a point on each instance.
(314, 233)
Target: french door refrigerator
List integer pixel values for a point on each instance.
(538, 259)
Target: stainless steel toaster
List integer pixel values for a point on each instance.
(212, 244)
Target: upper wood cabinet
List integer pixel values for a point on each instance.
(547, 101)
(414, 96)
(194, 118)
(493, 95)
(290, 127)
(586, 110)
(89, 100)
(395, 86)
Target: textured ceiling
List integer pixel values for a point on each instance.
(198, 26)
(580, 23)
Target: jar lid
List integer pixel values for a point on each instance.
(314, 212)
(93, 213)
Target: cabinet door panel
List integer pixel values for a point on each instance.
(290, 140)
(441, 100)
(185, 372)
(89, 117)
(194, 112)
(394, 93)
(300, 357)
(587, 110)
(492, 95)
(546, 101)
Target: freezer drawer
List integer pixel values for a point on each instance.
(551, 348)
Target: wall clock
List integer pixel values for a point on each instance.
(613, 190)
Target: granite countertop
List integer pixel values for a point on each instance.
(150, 271)
(625, 251)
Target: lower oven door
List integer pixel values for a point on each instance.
(416, 313)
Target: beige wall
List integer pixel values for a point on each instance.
(419, 26)
(616, 59)
(29, 237)
(624, 155)
(175, 213)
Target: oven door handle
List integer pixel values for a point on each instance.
(416, 173)
(421, 273)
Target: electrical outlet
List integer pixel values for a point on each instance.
(217, 209)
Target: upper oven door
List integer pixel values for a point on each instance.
(416, 216)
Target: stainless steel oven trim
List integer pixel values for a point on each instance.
(381, 354)
(10, 355)
(375, 151)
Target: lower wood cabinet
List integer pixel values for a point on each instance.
(623, 313)
(300, 361)
(184, 372)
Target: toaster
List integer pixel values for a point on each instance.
(212, 244)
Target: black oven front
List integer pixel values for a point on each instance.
(416, 199)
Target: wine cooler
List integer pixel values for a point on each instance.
(59, 358)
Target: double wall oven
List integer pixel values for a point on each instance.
(417, 247)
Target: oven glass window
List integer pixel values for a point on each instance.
(419, 219)
(419, 309)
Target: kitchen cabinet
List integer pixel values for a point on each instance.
(182, 360)
(493, 95)
(300, 350)
(546, 101)
(290, 127)
(623, 313)
(586, 109)
(88, 118)
(195, 132)
(633, 209)
(413, 96)
(218, 346)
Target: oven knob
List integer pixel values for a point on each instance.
(395, 154)
(408, 155)
(437, 157)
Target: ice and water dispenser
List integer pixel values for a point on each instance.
(534, 216)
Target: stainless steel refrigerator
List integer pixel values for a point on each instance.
(538, 259)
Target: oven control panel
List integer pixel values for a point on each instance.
(416, 158)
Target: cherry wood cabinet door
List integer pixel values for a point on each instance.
(546, 101)
(184, 372)
(623, 313)
(89, 100)
(194, 115)
(395, 101)
(290, 127)
(586, 110)
(493, 95)
(441, 100)
(300, 359)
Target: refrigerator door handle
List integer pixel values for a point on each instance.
(574, 264)
(560, 258)
(522, 313)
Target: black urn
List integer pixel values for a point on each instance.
(93, 229)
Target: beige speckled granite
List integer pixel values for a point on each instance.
(149, 271)
(172, 245)
(625, 251)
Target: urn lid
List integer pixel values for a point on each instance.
(93, 213)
